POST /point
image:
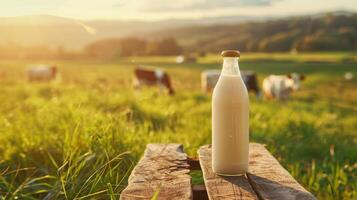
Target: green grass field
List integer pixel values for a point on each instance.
(78, 137)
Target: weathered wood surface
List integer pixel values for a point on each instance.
(220, 187)
(162, 169)
(266, 179)
(269, 179)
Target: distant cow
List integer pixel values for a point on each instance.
(42, 73)
(348, 76)
(153, 77)
(186, 59)
(209, 79)
(250, 81)
(280, 86)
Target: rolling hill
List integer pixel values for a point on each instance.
(73, 33)
(330, 32)
(334, 31)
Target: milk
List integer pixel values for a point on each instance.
(230, 121)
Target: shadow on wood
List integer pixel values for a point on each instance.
(263, 188)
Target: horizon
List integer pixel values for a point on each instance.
(247, 17)
(75, 33)
(142, 10)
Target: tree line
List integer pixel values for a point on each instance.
(111, 48)
(101, 49)
(324, 33)
(328, 32)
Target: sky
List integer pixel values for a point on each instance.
(169, 9)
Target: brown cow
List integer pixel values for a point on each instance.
(152, 77)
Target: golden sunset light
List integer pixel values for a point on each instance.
(176, 100)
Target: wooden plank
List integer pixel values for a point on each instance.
(269, 179)
(220, 187)
(163, 169)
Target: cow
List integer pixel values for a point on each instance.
(209, 79)
(250, 81)
(280, 86)
(42, 73)
(152, 77)
(186, 59)
(348, 76)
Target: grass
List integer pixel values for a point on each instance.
(80, 136)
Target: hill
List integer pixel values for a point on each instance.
(334, 31)
(330, 32)
(70, 33)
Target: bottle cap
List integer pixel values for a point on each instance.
(230, 53)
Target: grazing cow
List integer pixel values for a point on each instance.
(42, 73)
(348, 76)
(280, 86)
(209, 79)
(153, 77)
(180, 59)
(250, 81)
(186, 59)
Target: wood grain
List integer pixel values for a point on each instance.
(220, 187)
(163, 169)
(269, 179)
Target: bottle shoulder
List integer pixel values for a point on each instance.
(230, 87)
(230, 81)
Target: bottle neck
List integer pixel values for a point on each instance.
(230, 66)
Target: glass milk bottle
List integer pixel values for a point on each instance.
(230, 119)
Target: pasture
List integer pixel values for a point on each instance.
(78, 137)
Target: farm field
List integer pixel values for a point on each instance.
(79, 137)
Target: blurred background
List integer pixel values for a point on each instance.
(85, 86)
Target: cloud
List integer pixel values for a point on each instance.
(190, 5)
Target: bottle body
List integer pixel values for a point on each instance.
(230, 122)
